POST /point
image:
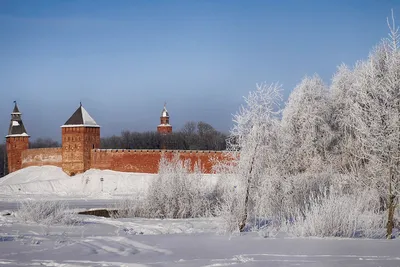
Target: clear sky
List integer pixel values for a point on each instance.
(123, 59)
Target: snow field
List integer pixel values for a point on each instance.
(178, 242)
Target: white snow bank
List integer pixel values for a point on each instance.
(50, 180)
(33, 174)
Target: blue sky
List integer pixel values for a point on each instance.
(123, 59)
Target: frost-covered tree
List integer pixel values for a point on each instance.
(331, 165)
(344, 143)
(306, 126)
(375, 117)
(254, 134)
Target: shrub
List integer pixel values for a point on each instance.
(272, 199)
(129, 207)
(177, 192)
(45, 212)
(340, 215)
(302, 205)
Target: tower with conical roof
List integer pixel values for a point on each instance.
(80, 134)
(164, 127)
(17, 140)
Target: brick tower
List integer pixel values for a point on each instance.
(80, 134)
(17, 140)
(164, 126)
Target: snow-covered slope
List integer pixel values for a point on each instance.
(33, 174)
(50, 180)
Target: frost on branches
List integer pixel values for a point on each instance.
(375, 117)
(254, 134)
(330, 165)
(177, 192)
(306, 126)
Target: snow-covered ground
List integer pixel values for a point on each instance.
(73, 203)
(97, 241)
(191, 242)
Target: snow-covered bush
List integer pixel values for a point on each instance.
(340, 215)
(46, 212)
(279, 199)
(231, 193)
(176, 192)
(272, 202)
(303, 206)
(128, 208)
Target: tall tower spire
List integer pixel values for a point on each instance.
(17, 140)
(17, 127)
(164, 127)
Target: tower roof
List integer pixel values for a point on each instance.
(80, 118)
(17, 128)
(164, 112)
(16, 109)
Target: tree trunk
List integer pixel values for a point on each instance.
(242, 223)
(391, 208)
(390, 222)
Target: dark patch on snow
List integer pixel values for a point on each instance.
(6, 238)
(100, 212)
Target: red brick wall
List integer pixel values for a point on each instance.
(142, 161)
(146, 161)
(15, 147)
(42, 156)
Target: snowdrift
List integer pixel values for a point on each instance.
(92, 183)
(33, 174)
(50, 180)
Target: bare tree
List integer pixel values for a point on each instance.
(189, 128)
(44, 143)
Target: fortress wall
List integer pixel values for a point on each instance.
(42, 156)
(147, 161)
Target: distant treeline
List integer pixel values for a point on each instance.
(192, 136)
(44, 143)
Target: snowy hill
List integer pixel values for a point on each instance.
(33, 174)
(52, 180)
